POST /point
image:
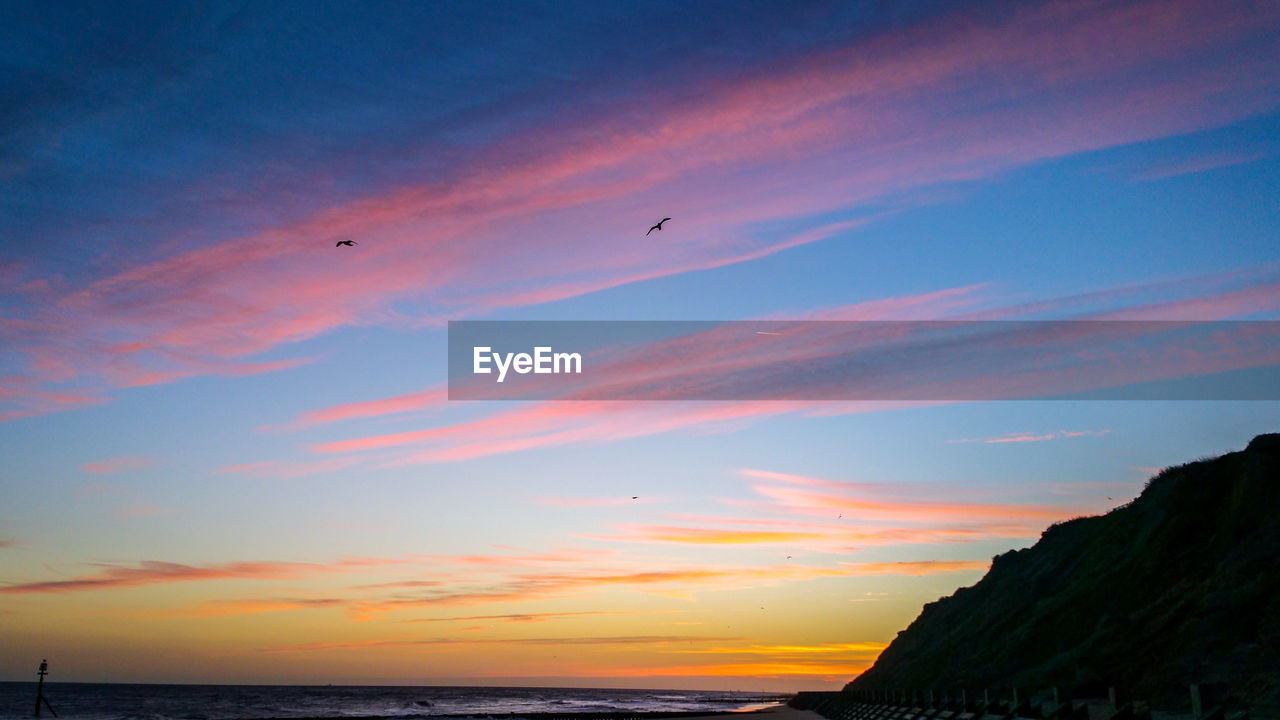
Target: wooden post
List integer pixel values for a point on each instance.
(986, 697)
(40, 698)
(1195, 702)
(1111, 697)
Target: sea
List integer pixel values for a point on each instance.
(93, 701)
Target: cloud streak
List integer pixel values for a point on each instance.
(152, 572)
(1145, 343)
(444, 246)
(117, 465)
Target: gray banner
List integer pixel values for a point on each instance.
(864, 360)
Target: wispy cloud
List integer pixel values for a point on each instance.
(795, 514)
(216, 308)
(1071, 357)
(830, 671)
(1201, 163)
(410, 402)
(280, 469)
(529, 617)
(583, 582)
(153, 572)
(117, 465)
(1029, 437)
(922, 567)
(228, 608)
(656, 640)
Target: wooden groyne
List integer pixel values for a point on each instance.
(927, 705)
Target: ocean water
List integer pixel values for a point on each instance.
(91, 701)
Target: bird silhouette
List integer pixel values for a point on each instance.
(657, 227)
(348, 243)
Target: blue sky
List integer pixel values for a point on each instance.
(225, 441)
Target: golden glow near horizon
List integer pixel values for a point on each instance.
(782, 610)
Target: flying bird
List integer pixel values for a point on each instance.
(657, 227)
(348, 243)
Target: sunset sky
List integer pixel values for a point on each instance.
(227, 452)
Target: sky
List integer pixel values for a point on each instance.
(227, 448)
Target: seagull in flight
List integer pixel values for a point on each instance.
(348, 243)
(657, 227)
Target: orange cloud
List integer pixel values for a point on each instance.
(863, 506)
(923, 567)
(523, 587)
(224, 608)
(864, 649)
(412, 642)
(529, 617)
(825, 671)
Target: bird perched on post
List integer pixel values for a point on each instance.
(657, 227)
(348, 243)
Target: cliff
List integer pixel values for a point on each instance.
(1181, 585)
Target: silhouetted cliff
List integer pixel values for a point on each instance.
(1182, 585)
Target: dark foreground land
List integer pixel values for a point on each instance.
(1179, 587)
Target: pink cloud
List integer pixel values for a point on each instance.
(410, 402)
(117, 465)
(1169, 68)
(152, 572)
(1064, 357)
